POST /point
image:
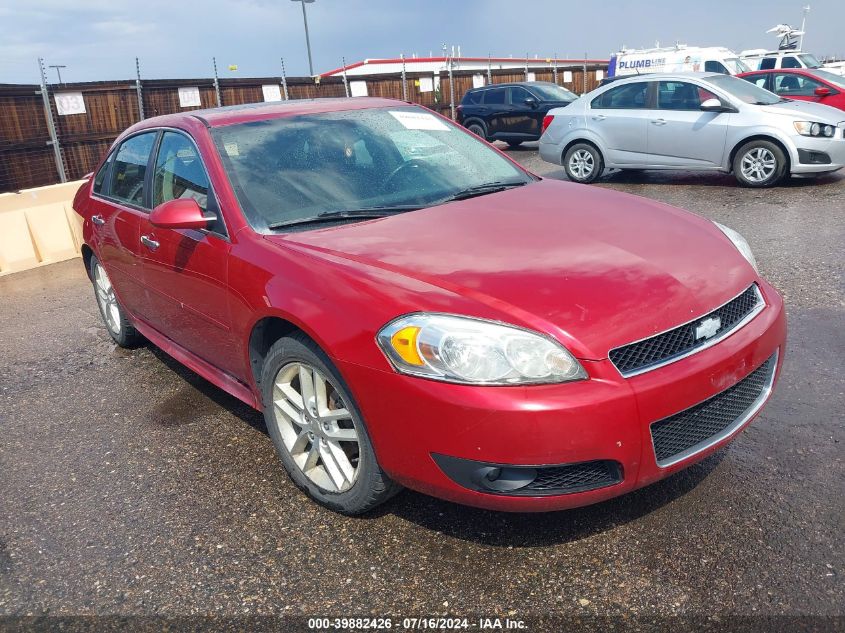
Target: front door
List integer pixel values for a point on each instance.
(186, 270)
(522, 120)
(680, 133)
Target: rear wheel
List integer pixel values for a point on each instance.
(318, 431)
(583, 163)
(119, 326)
(478, 129)
(759, 164)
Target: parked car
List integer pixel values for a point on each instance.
(694, 121)
(410, 307)
(815, 85)
(761, 59)
(511, 112)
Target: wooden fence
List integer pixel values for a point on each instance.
(28, 158)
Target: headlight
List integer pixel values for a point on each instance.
(808, 128)
(740, 242)
(472, 351)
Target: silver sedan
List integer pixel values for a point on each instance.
(693, 121)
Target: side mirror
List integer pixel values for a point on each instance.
(183, 213)
(531, 102)
(822, 91)
(712, 105)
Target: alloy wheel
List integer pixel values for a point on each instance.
(581, 164)
(758, 164)
(106, 298)
(316, 427)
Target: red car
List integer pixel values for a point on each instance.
(410, 307)
(804, 84)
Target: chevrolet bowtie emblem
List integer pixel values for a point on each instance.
(708, 328)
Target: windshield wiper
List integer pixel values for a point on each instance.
(481, 190)
(333, 216)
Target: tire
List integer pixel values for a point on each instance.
(514, 143)
(117, 324)
(583, 163)
(759, 164)
(478, 128)
(306, 448)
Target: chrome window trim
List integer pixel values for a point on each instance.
(731, 429)
(761, 304)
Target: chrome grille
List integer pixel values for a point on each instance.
(667, 347)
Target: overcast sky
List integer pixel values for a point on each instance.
(99, 39)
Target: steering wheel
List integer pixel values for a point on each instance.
(414, 163)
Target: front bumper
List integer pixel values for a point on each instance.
(808, 152)
(415, 423)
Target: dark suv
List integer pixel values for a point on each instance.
(511, 112)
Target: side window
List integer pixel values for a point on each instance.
(473, 97)
(715, 67)
(179, 172)
(130, 169)
(100, 178)
(795, 85)
(494, 96)
(629, 96)
(680, 95)
(767, 64)
(757, 80)
(790, 62)
(519, 95)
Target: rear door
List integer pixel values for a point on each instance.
(119, 205)
(679, 133)
(619, 117)
(186, 270)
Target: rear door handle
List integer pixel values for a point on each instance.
(98, 220)
(149, 242)
(659, 121)
(599, 117)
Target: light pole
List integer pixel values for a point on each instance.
(58, 68)
(307, 39)
(803, 22)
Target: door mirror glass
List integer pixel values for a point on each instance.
(712, 105)
(183, 213)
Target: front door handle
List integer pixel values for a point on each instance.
(149, 242)
(98, 220)
(659, 121)
(599, 117)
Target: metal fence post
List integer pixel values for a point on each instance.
(138, 89)
(51, 125)
(404, 80)
(489, 70)
(345, 81)
(284, 79)
(554, 68)
(584, 91)
(451, 88)
(526, 66)
(216, 83)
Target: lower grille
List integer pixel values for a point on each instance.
(557, 480)
(692, 430)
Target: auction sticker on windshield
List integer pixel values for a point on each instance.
(419, 120)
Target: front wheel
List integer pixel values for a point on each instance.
(759, 164)
(318, 431)
(583, 163)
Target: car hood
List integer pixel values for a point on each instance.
(594, 268)
(817, 111)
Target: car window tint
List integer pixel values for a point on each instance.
(767, 64)
(179, 172)
(100, 178)
(792, 84)
(130, 169)
(757, 80)
(712, 66)
(519, 95)
(473, 97)
(790, 62)
(681, 95)
(495, 96)
(629, 96)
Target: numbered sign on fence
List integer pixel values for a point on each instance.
(358, 88)
(477, 81)
(189, 97)
(567, 76)
(69, 103)
(271, 92)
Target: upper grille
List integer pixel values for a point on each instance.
(557, 480)
(664, 348)
(693, 429)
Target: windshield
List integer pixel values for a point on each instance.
(292, 168)
(551, 92)
(736, 65)
(829, 77)
(809, 60)
(743, 90)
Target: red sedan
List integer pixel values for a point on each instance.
(804, 84)
(409, 307)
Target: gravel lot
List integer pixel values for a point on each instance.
(129, 486)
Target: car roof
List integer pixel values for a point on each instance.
(229, 115)
(664, 76)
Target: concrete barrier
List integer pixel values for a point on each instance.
(38, 227)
